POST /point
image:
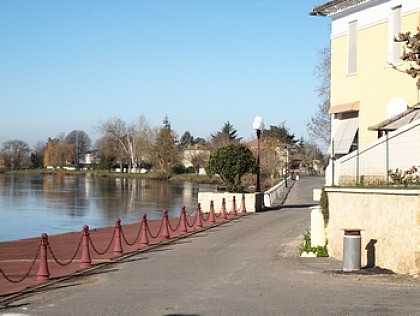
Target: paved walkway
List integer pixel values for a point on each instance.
(245, 267)
(20, 259)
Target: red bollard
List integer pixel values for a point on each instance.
(212, 216)
(183, 224)
(144, 237)
(198, 217)
(117, 238)
(234, 211)
(243, 206)
(86, 261)
(165, 225)
(224, 213)
(43, 272)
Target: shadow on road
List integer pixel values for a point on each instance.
(289, 206)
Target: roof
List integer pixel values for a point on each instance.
(334, 6)
(398, 120)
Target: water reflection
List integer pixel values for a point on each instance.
(32, 204)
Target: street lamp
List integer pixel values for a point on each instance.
(258, 125)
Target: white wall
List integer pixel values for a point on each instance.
(371, 161)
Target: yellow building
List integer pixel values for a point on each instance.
(366, 87)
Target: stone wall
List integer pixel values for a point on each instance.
(390, 223)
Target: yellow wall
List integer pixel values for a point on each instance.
(397, 246)
(375, 83)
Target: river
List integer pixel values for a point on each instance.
(52, 204)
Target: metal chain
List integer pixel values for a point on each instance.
(135, 240)
(158, 233)
(177, 226)
(63, 264)
(107, 248)
(188, 224)
(26, 274)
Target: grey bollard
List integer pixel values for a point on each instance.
(352, 250)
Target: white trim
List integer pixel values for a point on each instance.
(376, 13)
(373, 191)
(352, 47)
(394, 28)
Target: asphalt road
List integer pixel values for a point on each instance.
(245, 267)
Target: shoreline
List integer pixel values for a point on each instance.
(186, 177)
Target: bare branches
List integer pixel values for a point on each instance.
(412, 44)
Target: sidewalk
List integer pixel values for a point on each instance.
(20, 259)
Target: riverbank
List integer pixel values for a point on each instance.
(185, 177)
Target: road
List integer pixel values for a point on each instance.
(245, 267)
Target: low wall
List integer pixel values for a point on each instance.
(277, 194)
(251, 199)
(390, 223)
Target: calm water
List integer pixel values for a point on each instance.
(34, 204)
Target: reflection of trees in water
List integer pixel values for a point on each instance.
(125, 195)
(66, 192)
(102, 197)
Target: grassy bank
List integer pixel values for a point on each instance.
(185, 177)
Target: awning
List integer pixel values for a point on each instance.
(399, 120)
(345, 107)
(344, 135)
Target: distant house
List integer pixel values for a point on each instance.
(365, 87)
(195, 156)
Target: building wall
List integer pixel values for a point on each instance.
(390, 223)
(375, 82)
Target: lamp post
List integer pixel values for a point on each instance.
(258, 126)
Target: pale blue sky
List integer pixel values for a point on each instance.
(67, 65)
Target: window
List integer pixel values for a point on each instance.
(352, 48)
(394, 48)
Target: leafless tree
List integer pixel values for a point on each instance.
(126, 143)
(16, 154)
(198, 157)
(319, 126)
(143, 141)
(81, 143)
(312, 158)
(121, 137)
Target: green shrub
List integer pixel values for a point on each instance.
(325, 207)
(306, 246)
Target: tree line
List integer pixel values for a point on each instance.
(137, 146)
